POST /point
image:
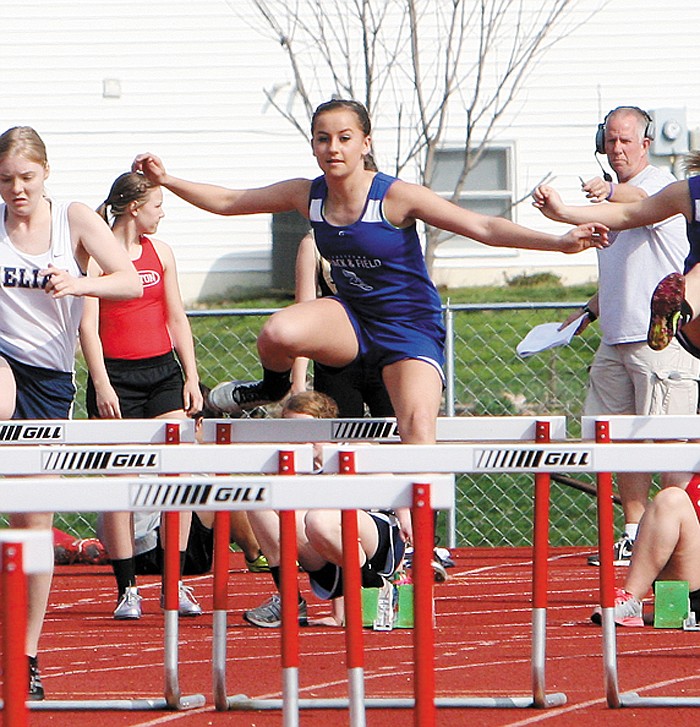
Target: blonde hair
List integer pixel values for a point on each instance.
(23, 141)
(312, 403)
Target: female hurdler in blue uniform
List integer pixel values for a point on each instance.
(365, 224)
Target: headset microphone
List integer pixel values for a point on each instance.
(606, 175)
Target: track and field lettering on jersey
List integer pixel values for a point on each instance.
(528, 459)
(152, 495)
(31, 432)
(92, 460)
(365, 430)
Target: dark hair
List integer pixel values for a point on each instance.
(126, 188)
(363, 119)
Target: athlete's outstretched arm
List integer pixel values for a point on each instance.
(411, 201)
(292, 194)
(667, 202)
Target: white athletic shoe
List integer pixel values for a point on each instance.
(129, 606)
(187, 603)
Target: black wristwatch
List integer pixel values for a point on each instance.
(591, 315)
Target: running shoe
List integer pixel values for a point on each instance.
(622, 552)
(35, 693)
(439, 572)
(669, 311)
(259, 564)
(443, 556)
(268, 615)
(438, 564)
(628, 610)
(235, 397)
(187, 603)
(129, 605)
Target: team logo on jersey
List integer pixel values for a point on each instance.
(365, 430)
(91, 460)
(529, 459)
(31, 433)
(149, 278)
(356, 280)
(157, 495)
(16, 277)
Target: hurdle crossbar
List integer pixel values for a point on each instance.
(91, 431)
(449, 429)
(634, 428)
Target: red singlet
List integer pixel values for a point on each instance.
(137, 329)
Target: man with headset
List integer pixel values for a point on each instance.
(627, 376)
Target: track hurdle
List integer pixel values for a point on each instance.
(449, 429)
(634, 428)
(20, 459)
(280, 492)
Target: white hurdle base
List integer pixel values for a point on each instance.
(241, 702)
(114, 705)
(632, 699)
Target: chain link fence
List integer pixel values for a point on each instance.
(486, 377)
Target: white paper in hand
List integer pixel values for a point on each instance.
(547, 335)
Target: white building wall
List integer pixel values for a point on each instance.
(191, 79)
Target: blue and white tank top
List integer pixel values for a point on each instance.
(378, 269)
(693, 227)
(35, 328)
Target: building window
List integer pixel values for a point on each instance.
(488, 189)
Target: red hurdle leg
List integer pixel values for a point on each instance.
(607, 572)
(352, 584)
(221, 551)
(222, 531)
(424, 637)
(289, 592)
(540, 574)
(14, 633)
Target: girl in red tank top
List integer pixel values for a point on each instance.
(130, 348)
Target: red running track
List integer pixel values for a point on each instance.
(482, 649)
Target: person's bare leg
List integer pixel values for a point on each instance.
(38, 585)
(633, 489)
(266, 528)
(118, 534)
(302, 330)
(241, 533)
(415, 390)
(324, 536)
(8, 390)
(667, 545)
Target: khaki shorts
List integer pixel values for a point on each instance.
(631, 378)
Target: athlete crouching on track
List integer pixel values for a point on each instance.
(319, 539)
(666, 549)
(44, 251)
